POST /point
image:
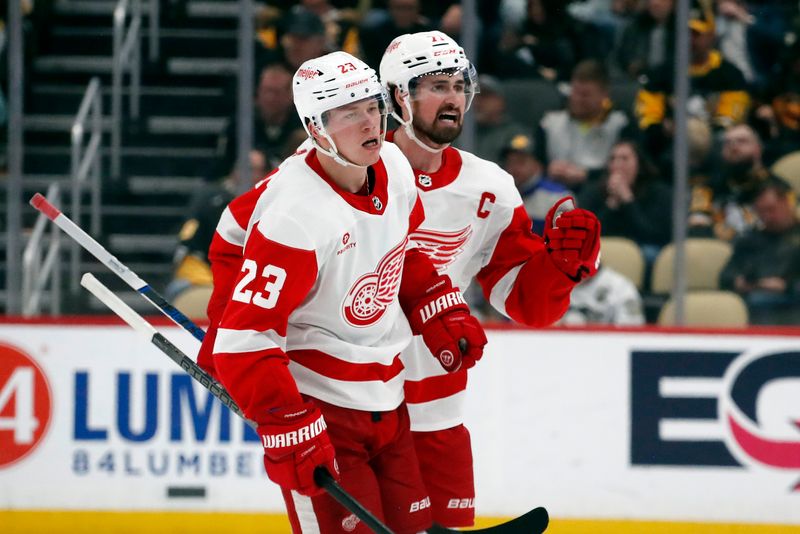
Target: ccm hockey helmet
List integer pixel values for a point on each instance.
(413, 55)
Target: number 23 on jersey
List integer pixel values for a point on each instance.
(271, 280)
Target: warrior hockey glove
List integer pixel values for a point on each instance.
(572, 237)
(444, 321)
(295, 443)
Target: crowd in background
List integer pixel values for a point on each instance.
(615, 157)
(600, 72)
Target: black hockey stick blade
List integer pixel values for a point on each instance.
(533, 522)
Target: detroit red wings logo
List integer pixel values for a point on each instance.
(369, 297)
(442, 247)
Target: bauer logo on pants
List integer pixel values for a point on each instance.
(25, 405)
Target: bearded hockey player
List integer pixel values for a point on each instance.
(309, 341)
(475, 226)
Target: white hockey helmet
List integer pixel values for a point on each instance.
(412, 55)
(331, 81)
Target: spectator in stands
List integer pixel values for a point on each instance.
(723, 208)
(718, 90)
(765, 265)
(494, 128)
(610, 15)
(547, 44)
(700, 144)
(404, 17)
(631, 201)
(297, 37)
(341, 25)
(275, 123)
(732, 23)
(649, 40)
(192, 267)
(489, 29)
(538, 192)
(607, 298)
(575, 142)
(775, 24)
(780, 114)
(451, 21)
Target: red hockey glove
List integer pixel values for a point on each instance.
(446, 325)
(572, 237)
(295, 443)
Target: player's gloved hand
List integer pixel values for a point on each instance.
(295, 443)
(572, 237)
(449, 330)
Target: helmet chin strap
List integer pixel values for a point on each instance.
(333, 152)
(408, 126)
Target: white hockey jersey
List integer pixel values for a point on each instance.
(476, 226)
(319, 284)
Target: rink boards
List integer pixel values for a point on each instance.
(611, 431)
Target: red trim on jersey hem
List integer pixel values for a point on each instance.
(333, 367)
(435, 387)
(360, 202)
(445, 175)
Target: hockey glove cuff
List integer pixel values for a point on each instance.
(295, 443)
(449, 330)
(572, 237)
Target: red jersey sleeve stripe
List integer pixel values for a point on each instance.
(226, 262)
(243, 206)
(273, 281)
(540, 294)
(417, 216)
(332, 367)
(258, 381)
(516, 244)
(521, 279)
(435, 387)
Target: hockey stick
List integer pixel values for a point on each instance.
(126, 313)
(532, 522)
(129, 277)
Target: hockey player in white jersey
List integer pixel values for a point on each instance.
(475, 226)
(308, 344)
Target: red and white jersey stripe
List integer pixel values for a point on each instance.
(476, 227)
(317, 288)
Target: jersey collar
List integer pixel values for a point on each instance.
(374, 203)
(445, 175)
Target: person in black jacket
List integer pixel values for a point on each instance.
(630, 200)
(649, 40)
(719, 94)
(765, 266)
